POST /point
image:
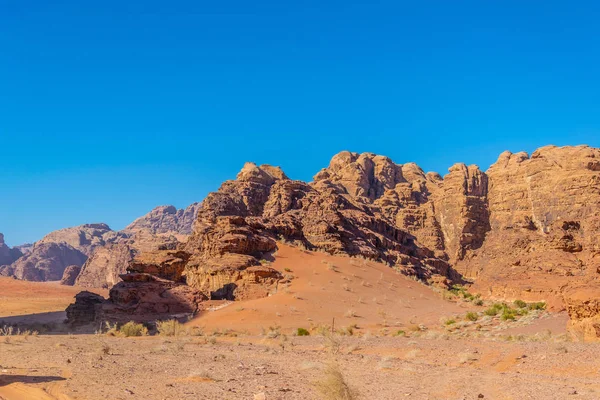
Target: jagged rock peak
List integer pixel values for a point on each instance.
(264, 174)
(367, 175)
(565, 157)
(166, 219)
(7, 255)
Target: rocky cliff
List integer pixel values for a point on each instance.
(166, 220)
(101, 253)
(48, 258)
(526, 228)
(7, 256)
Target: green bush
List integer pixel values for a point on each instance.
(541, 305)
(520, 304)
(508, 314)
(400, 333)
(302, 332)
(450, 321)
(494, 310)
(471, 316)
(133, 329)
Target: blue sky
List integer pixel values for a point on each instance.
(108, 109)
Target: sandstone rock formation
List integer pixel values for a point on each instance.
(583, 305)
(70, 275)
(48, 258)
(7, 255)
(24, 248)
(86, 309)
(143, 297)
(138, 297)
(108, 262)
(527, 228)
(106, 253)
(166, 219)
(544, 224)
(103, 267)
(46, 262)
(240, 223)
(84, 238)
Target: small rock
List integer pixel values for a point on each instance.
(260, 396)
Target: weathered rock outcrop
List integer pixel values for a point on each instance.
(241, 223)
(105, 265)
(166, 219)
(138, 297)
(143, 297)
(24, 248)
(108, 262)
(48, 258)
(106, 253)
(70, 275)
(583, 305)
(527, 228)
(84, 238)
(86, 309)
(544, 216)
(47, 262)
(8, 255)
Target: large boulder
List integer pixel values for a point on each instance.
(86, 309)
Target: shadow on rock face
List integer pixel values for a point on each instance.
(227, 292)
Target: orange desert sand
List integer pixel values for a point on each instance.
(248, 350)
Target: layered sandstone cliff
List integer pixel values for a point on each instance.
(526, 228)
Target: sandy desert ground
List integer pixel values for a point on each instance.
(391, 340)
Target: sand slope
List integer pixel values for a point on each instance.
(351, 290)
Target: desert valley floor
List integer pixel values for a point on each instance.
(393, 338)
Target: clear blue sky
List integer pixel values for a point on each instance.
(108, 108)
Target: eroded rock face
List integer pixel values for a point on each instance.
(527, 228)
(84, 238)
(48, 258)
(138, 297)
(47, 262)
(7, 255)
(166, 219)
(86, 309)
(544, 216)
(144, 297)
(583, 305)
(106, 253)
(105, 265)
(241, 223)
(70, 275)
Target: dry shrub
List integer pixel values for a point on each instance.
(105, 349)
(171, 327)
(333, 386)
(332, 343)
(133, 329)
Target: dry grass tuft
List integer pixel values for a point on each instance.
(332, 343)
(133, 329)
(171, 327)
(333, 386)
